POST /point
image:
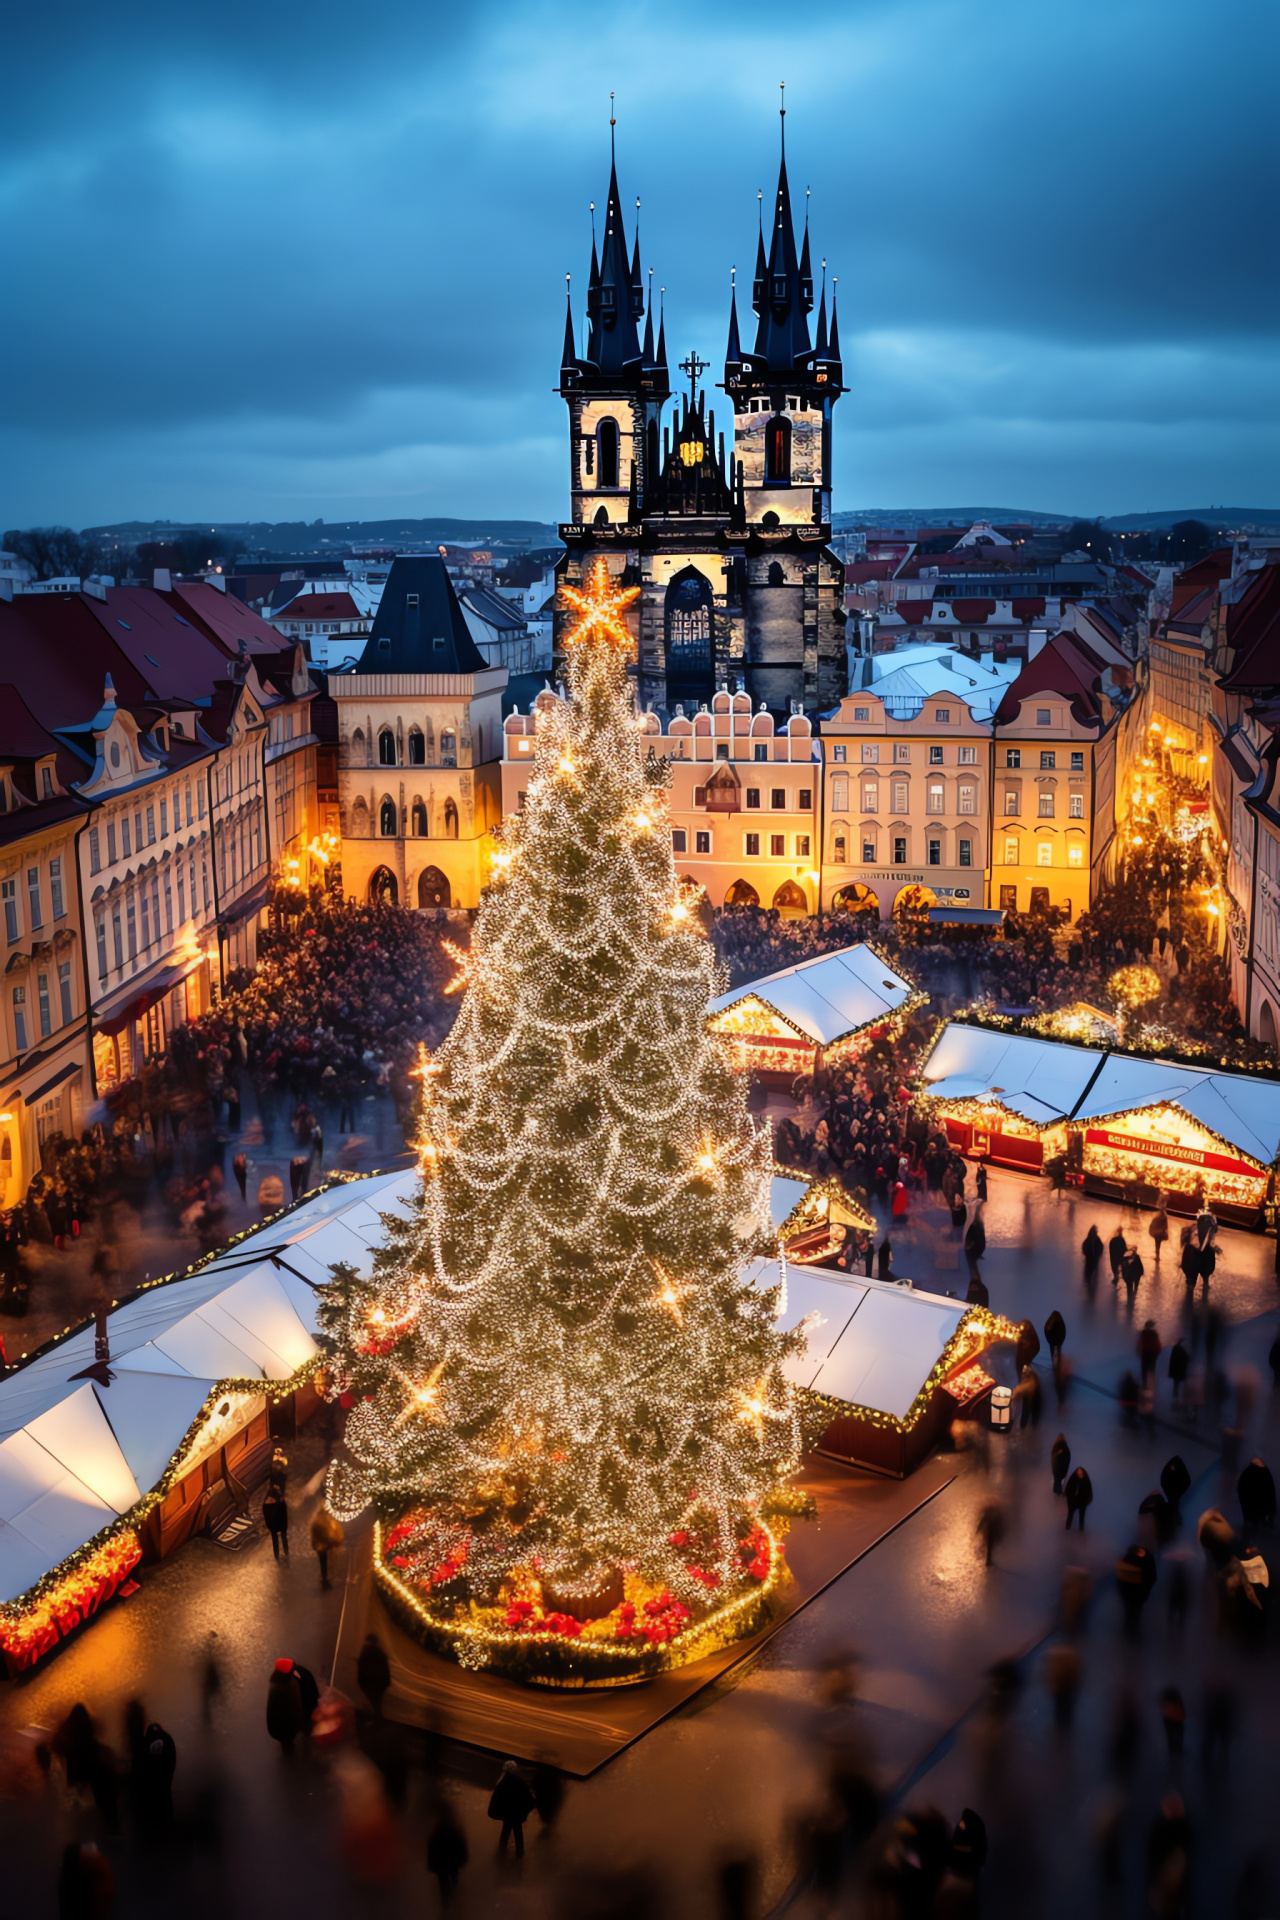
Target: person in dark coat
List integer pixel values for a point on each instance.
(275, 1514)
(1149, 1349)
(548, 1792)
(978, 1294)
(968, 1845)
(240, 1168)
(86, 1883)
(284, 1705)
(1028, 1345)
(982, 1180)
(1091, 1248)
(1206, 1263)
(1079, 1492)
(1175, 1482)
(1135, 1577)
(373, 1671)
(975, 1244)
(157, 1762)
(447, 1855)
(1131, 1271)
(308, 1690)
(1117, 1247)
(1256, 1491)
(884, 1260)
(868, 1253)
(1179, 1367)
(1060, 1461)
(1055, 1333)
(511, 1802)
(1189, 1261)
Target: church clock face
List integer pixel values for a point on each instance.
(691, 452)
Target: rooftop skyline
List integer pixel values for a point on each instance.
(261, 268)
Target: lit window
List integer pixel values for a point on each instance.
(870, 796)
(935, 756)
(966, 853)
(1048, 759)
(1044, 853)
(869, 851)
(1075, 856)
(839, 754)
(1011, 851)
(968, 802)
(802, 846)
(1076, 806)
(1012, 800)
(753, 843)
(777, 846)
(935, 803)
(871, 752)
(702, 842)
(840, 794)
(1046, 806)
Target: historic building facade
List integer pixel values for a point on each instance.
(419, 739)
(728, 543)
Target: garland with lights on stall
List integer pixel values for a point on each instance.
(567, 1409)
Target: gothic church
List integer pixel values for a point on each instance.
(729, 547)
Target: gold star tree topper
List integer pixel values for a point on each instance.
(601, 609)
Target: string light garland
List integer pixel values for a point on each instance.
(568, 1284)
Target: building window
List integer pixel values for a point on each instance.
(900, 852)
(131, 923)
(164, 819)
(966, 853)
(151, 828)
(33, 897)
(753, 843)
(871, 796)
(862, 714)
(1077, 763)
(100, 931)
(702, 843)
(1044, 853)
(1075, 856)
(802, 846)
(761, 750)
(935, 756)
(124, 836)
(387, 822)
(10, 892)
(935, 798)
(1045, 811)
(386, 748)
(111, 844)
(777, 452)
(417, 748)
(448, 748)
(1040, 900)
(1075, 806)
(609, 442)
(871, 753)
(935, 853)
(95, 852)
(840, 794)
(188, 806)
(753, 795)
(840, 754)
(777, 798)
(1012, 800)
(901, 755)
(777, 846)
(42, 999)
(968, 756)
(804, 800)
(968, 801)
(722, 750)
(1013, 756)
(1044, 717)
(901, 796)
(46, 783)
(942, 716)
(1011, 850)
(1048, 760)
(869, 852)
(20, 1019)
(679, 840)
(1009, 899)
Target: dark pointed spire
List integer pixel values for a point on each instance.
(833, 344)
(783, 297)
(662, 328)
(820, 344)
(619, 299)
(762, 265)
(733, 352)
(806, 271)
(637, 278)
(569, 355)
(647, 354)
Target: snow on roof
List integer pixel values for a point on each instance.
(829, 997)
(871, 1343)
(75, 1456)
(1048, 1080)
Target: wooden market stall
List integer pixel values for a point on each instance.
(827, 1008)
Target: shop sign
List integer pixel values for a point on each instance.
(1166, 1150)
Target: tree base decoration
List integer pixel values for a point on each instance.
(647, 1633)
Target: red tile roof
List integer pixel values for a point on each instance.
(1253, 629)
(1059, 667)
(318, 606)
(972, 613)
(170, 655)
(224, 619)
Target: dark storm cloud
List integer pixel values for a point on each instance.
(275, 260)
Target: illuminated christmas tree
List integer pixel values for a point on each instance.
(556, 1374)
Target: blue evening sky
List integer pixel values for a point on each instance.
(267, 260)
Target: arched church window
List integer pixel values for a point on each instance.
(448, 748)
(689, 603)
(386, 748)
(417, 748)
(777, 451)
(357, 747)
(777, 578)
(609, 447)
(450, 820)
(387, 820)
(419, 820)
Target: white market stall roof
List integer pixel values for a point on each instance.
(870, 1343)
(1049, 1080)
(829, 997)
(75, 1456)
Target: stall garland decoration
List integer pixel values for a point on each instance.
(29, 1603)
(744, 1020)
(810, 1212)
(1152, 1041)
(979, 1329)
(77, 1593)
(582, 1371)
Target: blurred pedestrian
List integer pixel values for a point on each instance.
(1273, 1351)
(240, 1168)
(158, 1762)
(1175, 1483)
(1189, 1260)
(1131, 1271)
(373, 1671)
(511, 1802)
(981, 1181)
(1206, 1227)
(1029, 1397)
(1079, 1492)
(1159, 1229)
(1055, 1333)
(1149, 1349)
(884, 1260)
(1062, 1670)
(284, 1705)
(1135, 1577)
(1174, 1715)
(991, 1528)
(326, 1537)
(548, 1792)
(297, 1174)
(1060, 1461)
(275, 1515)
(1128, 1393)
(977, 1293)
(86, 1883)
(210, 1677)
(1168, 1857)
(1256, 1491)
(1062, 1372)
(1091, 1248)
(1027, 1347)
(447, 1854)
(1207, 1263)
(278, 1469)
(1117, 1247)
(1179, 1362)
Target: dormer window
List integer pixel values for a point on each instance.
(46, 783)
(115, 753)
(411, 599)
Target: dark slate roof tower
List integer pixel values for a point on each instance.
(419, 626)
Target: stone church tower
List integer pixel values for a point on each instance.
(729, 548)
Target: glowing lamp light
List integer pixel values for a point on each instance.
(565, 763)
(679, 911)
